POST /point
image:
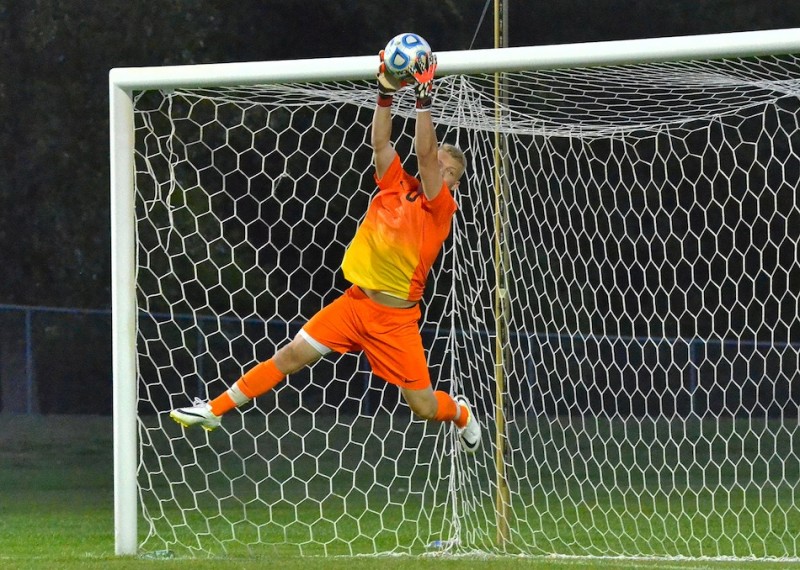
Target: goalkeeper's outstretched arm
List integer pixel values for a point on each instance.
(382, 121)
(425, 142)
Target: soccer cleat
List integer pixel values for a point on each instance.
(470, 434)
(198, 414)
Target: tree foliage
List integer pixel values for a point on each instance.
(54, 198)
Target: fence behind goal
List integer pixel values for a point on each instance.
(623, 267)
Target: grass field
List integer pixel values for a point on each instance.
(56, 511)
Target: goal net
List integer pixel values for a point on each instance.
(619, 297)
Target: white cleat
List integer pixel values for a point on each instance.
(198, 414)
(470, 434)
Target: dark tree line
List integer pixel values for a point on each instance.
(54, 171)
(54, 202)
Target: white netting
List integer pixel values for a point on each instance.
(648, 257)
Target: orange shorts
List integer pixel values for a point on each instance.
(389, 337)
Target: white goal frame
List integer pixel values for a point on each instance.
(124, 82)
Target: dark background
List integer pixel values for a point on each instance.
(54, 172)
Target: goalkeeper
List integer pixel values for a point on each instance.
(388, 263)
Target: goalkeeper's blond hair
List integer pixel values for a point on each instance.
(458, 155)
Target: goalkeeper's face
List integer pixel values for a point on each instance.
(450, 168)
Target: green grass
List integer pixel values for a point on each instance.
(586, 487)
(56, 511)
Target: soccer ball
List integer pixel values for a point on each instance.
(402, 53)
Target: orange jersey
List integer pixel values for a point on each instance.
(401, 236)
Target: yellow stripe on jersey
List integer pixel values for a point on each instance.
(400, 238)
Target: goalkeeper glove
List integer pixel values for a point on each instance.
(388, 84)
(424, 71)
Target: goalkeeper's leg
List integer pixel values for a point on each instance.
(396, 354)
(328, 330)
(263, 377)
(441, 407)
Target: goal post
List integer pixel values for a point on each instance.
(640, 198)
(123, 308)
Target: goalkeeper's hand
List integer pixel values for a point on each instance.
(388, 84)
(424, 71)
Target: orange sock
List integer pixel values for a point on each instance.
(260, 379)
(222, 404)
(256, 381)
(447, 410)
